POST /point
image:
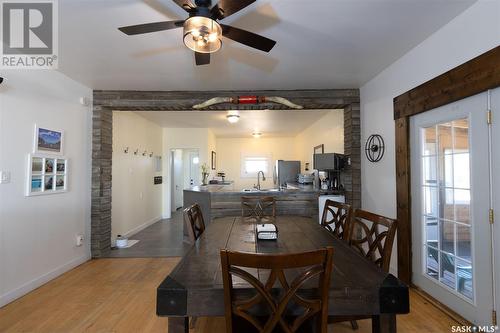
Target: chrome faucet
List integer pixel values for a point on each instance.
(258, 179)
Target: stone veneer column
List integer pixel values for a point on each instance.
(352, 147)
(102, 141)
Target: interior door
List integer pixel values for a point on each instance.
(450, 207)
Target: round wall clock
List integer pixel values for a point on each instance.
(374, 148)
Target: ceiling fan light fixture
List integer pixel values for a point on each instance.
(202, 34)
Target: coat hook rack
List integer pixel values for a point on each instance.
(144, 153)
(136, 152)
(125, 150)
(151, 154)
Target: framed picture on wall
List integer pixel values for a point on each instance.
(48, 141)
(214, 160)
(46, 175)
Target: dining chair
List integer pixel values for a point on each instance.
(372, 236)
(193, 217)
(277, 304)
(258, 207)
(340, 220)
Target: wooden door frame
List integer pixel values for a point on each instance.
(107, 101)
(475, 76)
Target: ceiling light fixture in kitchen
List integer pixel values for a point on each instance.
(233, 117)
(257, 135)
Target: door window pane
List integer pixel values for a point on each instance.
(461, 172)
(430, 201)
(464, 278)
(445, 179)
(429, 141)
(462, 206)
(447, 266)
(432, 231)
(430, 170)
(464, 242)
(447, 204)
(432, 262)
(445, 139)
(447, 232)
(460, 136)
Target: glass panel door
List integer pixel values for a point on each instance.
(446, 200)
(450, 205)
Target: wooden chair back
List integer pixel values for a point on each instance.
(258, 207)
(314, 265)
(340, 222)
(193, 217)
(373, 236)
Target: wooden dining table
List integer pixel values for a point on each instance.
(358, 287)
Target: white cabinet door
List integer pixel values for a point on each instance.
(450, 207)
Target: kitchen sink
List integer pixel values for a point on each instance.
(262, 190)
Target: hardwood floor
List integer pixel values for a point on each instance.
(119, 295)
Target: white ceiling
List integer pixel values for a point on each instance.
(271, 123)
(321, 43)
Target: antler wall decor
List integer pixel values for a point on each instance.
(248, 100)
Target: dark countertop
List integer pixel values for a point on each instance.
(297, 188)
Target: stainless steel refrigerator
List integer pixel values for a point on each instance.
(286, 172)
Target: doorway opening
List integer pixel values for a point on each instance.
(184, 173)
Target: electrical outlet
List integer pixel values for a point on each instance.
(4, 177)
(79, 240)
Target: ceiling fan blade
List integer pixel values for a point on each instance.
(150, 27)
(228, 7)
(202, 58)
(187, 5)
(248, 38)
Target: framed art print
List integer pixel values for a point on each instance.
(48, 141)
(46, 175)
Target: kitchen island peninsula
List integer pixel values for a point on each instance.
(221, 201)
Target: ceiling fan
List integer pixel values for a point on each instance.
(202, 33)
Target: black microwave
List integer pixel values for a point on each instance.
(330, 161)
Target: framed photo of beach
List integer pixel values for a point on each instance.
(48, 141)
(47, 174)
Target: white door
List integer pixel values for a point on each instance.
(450, 207)
(495, 149)
(177, 179)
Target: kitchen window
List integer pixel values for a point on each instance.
(252, 164)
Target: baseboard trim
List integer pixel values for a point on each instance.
(445, 309)
(40, 281)
(142, 227)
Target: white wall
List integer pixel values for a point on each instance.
(229, 152)
(329, 130)
(137, 202)
(38, 234)
(470, 34)
(182, 138)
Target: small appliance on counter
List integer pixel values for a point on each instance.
(304, 178)
(323, 177)
(221, 175)
(267, 231)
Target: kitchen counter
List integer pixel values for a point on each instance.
(293, 187)
(220, 201)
